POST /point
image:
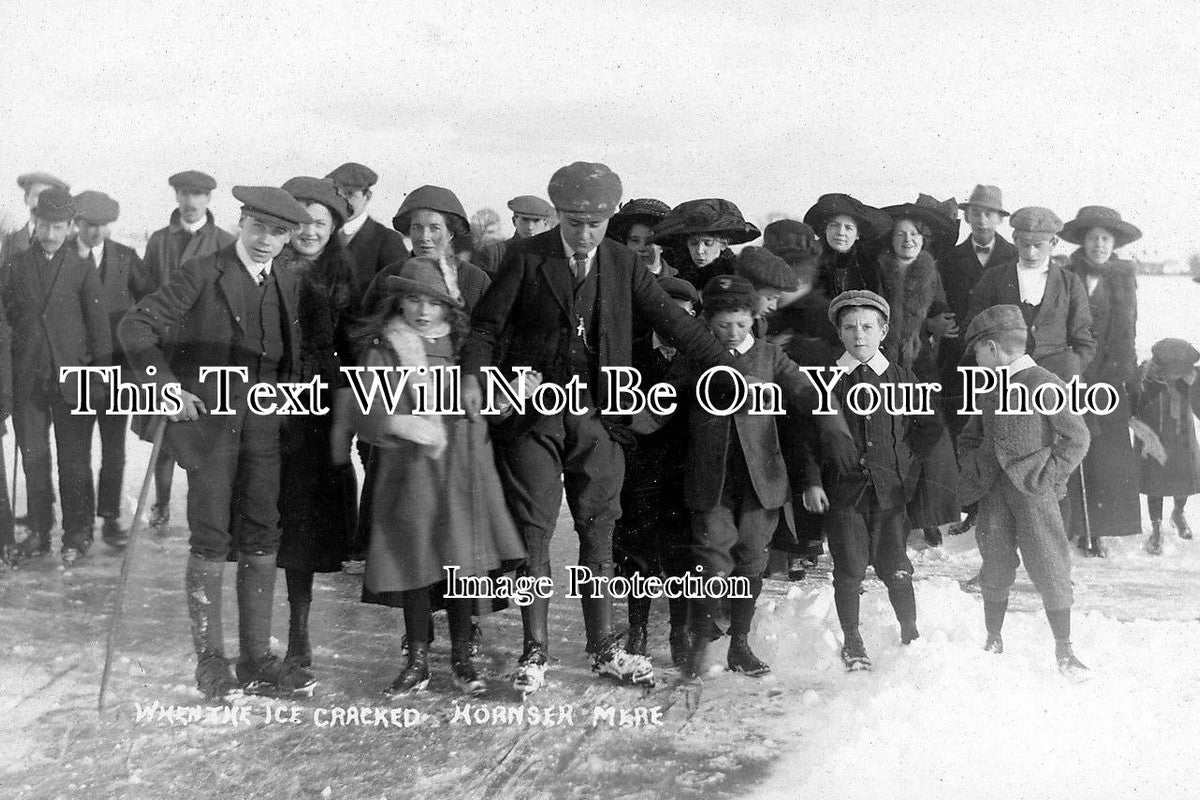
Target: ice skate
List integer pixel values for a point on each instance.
(215, 679)
(742, 659)
(261, 676)
(614, 662)
(415, 675)
(531, 670)
(466, 677)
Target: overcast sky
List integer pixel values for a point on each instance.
(768, 104)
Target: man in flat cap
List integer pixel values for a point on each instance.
(122, 281)
(230, 309)
(373, 245)
(52, 299)
(32, 184)
(531, 215)
(191, 233)
(564, 304)
(1017, 466)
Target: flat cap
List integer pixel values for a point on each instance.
(586, 188)
(728, 287)
(434, 198)
(353, 175)
(991, 321)
(859, 298)
(318, 190)
(96, 208)
(271, 205)
(679, 289)
(765, 270)
(1175, 353)
(530, 205)
(1035, 219)
(30, 178)
(55, 205)
(191, 180)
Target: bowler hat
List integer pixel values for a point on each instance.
(433, 198)
(644, 210)
(353, 176)
(712, 215)
(943, 227)
(992, 321)
(988, 197)
(728, 287)
(421, 275)
(765, 270)
(1035, 219)
(30, 178)
(872, 223)
(55, 205)
(858, 298)
(530, 205)
(318, 190)
(271, 205)
(1100, 217)
(679, 289)
(1174, 353)
(96, 208)
(192, 181)
(586, 188)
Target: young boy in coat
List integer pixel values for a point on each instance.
(735, 481)
(865, 517)
(770, 276)
(1016, 466)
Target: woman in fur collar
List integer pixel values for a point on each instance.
(1110, 470)
(920, 319)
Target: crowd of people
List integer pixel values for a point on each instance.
(310, 283)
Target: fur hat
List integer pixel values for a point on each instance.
(765, 270)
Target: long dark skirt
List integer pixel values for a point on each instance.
(318, 503)
(1110, 476)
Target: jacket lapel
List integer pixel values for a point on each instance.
(1055, 286)
(556, 273)
(227, 284)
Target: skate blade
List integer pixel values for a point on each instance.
(307, 690)
(395, 694)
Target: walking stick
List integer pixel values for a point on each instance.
(114, 625)
(16, 460)
(1087, 520)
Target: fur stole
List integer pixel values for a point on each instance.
(911, 297)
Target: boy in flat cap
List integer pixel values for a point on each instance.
(531, 215)
(1016, 466)
(564, 305)
(52, 299)
(735, 480)
(373, 245)
(864, 507)
(122, 281)
(229, 309)
(32, 184)
(770, 276)
(191, 233)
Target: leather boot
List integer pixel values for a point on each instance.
(257, 669)
(1154, 543)
(466, 677)
(202, 584)
(415, 675)
(1181, 525)
(299, 649)
(639, 618)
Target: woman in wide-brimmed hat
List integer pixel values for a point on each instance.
(1110, 470)
(316, 498)
(910, 282)
(697, 235)
(845, 224)
(633, 226)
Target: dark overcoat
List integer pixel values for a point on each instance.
(122, 282)
(173, 245)
(15, 243)
(66, 327)
(1170, 407)
(203, 310)
(374, 247)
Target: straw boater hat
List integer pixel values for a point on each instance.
(644, 210)
(712, 215)
(872, 223)
(1100, 217)
(421, 275)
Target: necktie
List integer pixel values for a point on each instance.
(579, 265)
(983, 250)
(92, 258)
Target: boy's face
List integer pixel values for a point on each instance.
(766, 301)
(731, 327)
(861, 331)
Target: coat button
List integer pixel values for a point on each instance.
(863, 461)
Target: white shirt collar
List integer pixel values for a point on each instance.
(744, 347)
(192, 227)
(354, 226)
(878, 362)
(591, 257)
(1023, 362)
(253, 267)
(96, 252)
(1031, 281)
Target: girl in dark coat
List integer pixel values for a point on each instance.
(317, 501)
(848, 228)
(910, 282)
(1110, 469)
(1169, 403)
(697, 235)
(438, 501)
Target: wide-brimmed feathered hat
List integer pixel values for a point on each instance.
(711, 215)
(945, 228)
(1100, 217)
(644, 211)
(872, 223)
